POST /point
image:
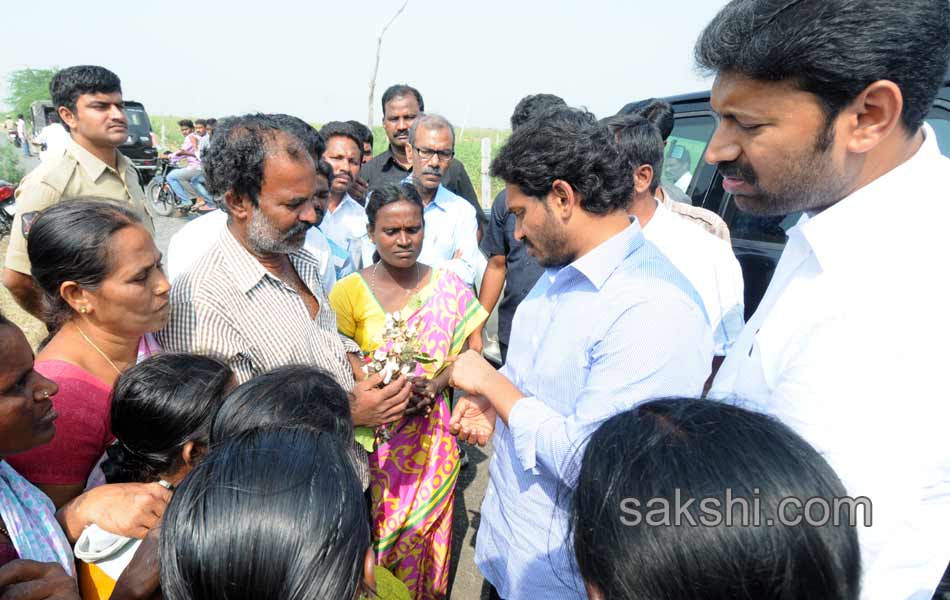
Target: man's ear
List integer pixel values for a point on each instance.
(642, 178)
(408, 151)
(67, 117)
(239, 205)
(873, 115)
(562, 199)
(191, 453)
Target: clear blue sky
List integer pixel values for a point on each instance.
(472, 61)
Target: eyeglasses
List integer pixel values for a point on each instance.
(427, 153)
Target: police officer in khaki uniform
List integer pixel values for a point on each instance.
(89, 103)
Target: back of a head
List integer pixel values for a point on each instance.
(295, 395)
(658, 112)
(532, 105)
(639, 142)
(268, 514)
(401, 90)
(70, 241)
(665, 453)
(158, 406)
(68, 84)
(240, 146)
(835, 48)
(568, 144)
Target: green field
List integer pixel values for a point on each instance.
(468, 148)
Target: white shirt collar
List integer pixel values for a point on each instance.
(858, 226)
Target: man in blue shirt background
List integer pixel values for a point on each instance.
(451, 237)
(610, 323)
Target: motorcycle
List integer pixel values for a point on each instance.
(159, 193)
(7, 207)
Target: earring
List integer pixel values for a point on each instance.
(83, 310)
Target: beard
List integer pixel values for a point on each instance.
(807, 182)
(265, 238)
(550, 244)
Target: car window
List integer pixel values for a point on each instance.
(939, 120)
(138, 121)
(685, 148)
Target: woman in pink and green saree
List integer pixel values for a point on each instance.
(414, 461)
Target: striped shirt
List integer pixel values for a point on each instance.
(228, 305)
(616, 327)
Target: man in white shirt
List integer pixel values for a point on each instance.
(21, 134)
(55, 137)
(678, 170)
(344, 223)
(822, 107)
(451, 239)
(706, 260)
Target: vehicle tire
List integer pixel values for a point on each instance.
(160, 197)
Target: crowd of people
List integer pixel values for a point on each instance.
(208, 428)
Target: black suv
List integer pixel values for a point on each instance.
(757, 241)
(138, 146)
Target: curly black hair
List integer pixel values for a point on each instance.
(235, 159)
(343, 129)
(69, 84)
(568, 144)
(531, 105)
(305, 132)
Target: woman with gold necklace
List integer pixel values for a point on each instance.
(105, 292)
(414, 468)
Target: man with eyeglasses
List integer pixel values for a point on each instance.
(451, 227)
(402, 104)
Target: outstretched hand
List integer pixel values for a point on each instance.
(473, 420)
(469, 372)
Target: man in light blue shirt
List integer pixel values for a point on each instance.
(611, 323)
(451, 227)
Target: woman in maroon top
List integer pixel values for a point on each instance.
(26, 421)
(104, 291)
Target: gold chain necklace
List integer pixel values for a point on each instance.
(372, 282)
(98, 349)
